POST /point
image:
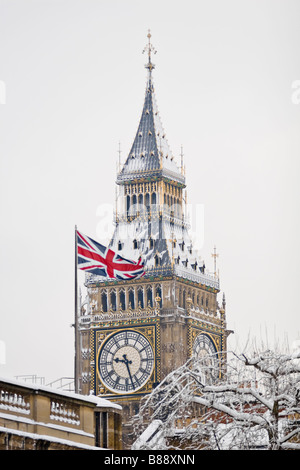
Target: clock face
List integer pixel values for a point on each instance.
(206, 358)
(125, 362)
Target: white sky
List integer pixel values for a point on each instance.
(75, 80)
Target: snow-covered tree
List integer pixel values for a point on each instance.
(250, 402)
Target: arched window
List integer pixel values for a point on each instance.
(158, 294)
(141, 201)
(147, 201)
(149, 297)
(127, 204)
(135, 244)
(156, 261)
(134, 204)
(113, 301)
(120, 245)
(178, 207)
(141, 298)
(122, 300)
(131, 299)
(104, 301)
(151, 243)
(153, 199)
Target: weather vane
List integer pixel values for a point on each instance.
(149, 49)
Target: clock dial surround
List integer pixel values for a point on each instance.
(205, 354)
(125, 362)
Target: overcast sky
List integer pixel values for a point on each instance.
(72, 82)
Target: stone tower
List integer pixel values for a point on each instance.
(133, 333)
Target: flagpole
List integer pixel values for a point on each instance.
(76, 318)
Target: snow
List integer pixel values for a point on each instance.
(98, 401)
(151, 438)
(254, 406)
(39, 437)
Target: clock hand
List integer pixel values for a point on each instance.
(127, 362)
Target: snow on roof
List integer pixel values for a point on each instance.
(98, 401)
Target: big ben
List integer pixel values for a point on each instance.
(133, 332)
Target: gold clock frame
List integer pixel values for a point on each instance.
(150, 330)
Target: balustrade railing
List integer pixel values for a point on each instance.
(180, 271)
(121, 314)
(14, 401)
(64, 412)
(192, 275)
(34, 415)
(153, 211)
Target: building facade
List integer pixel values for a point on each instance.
(132, 333)
(41, 418)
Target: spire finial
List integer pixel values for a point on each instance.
(215, 256)
(149, 48)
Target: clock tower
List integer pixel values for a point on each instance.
(132, 333)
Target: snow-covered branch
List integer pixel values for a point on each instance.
(249, 402)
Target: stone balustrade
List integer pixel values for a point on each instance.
(39, 417)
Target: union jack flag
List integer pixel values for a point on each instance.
(102, 261)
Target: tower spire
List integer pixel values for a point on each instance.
(149, 49)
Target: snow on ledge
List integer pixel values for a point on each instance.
(98, 401)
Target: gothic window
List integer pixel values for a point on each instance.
(113, 301)
(131, 299)
(158, 294)
(149, 297)
(141, 298)
(134, 203)
(153, 199)
(122, 300)
(156, 261)
(135, 244)
(104, 301)
(178, 208)
(151, 243)
(147, 201)
(171, 203)
(140, 201)
(120, 245)
(127, 204)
